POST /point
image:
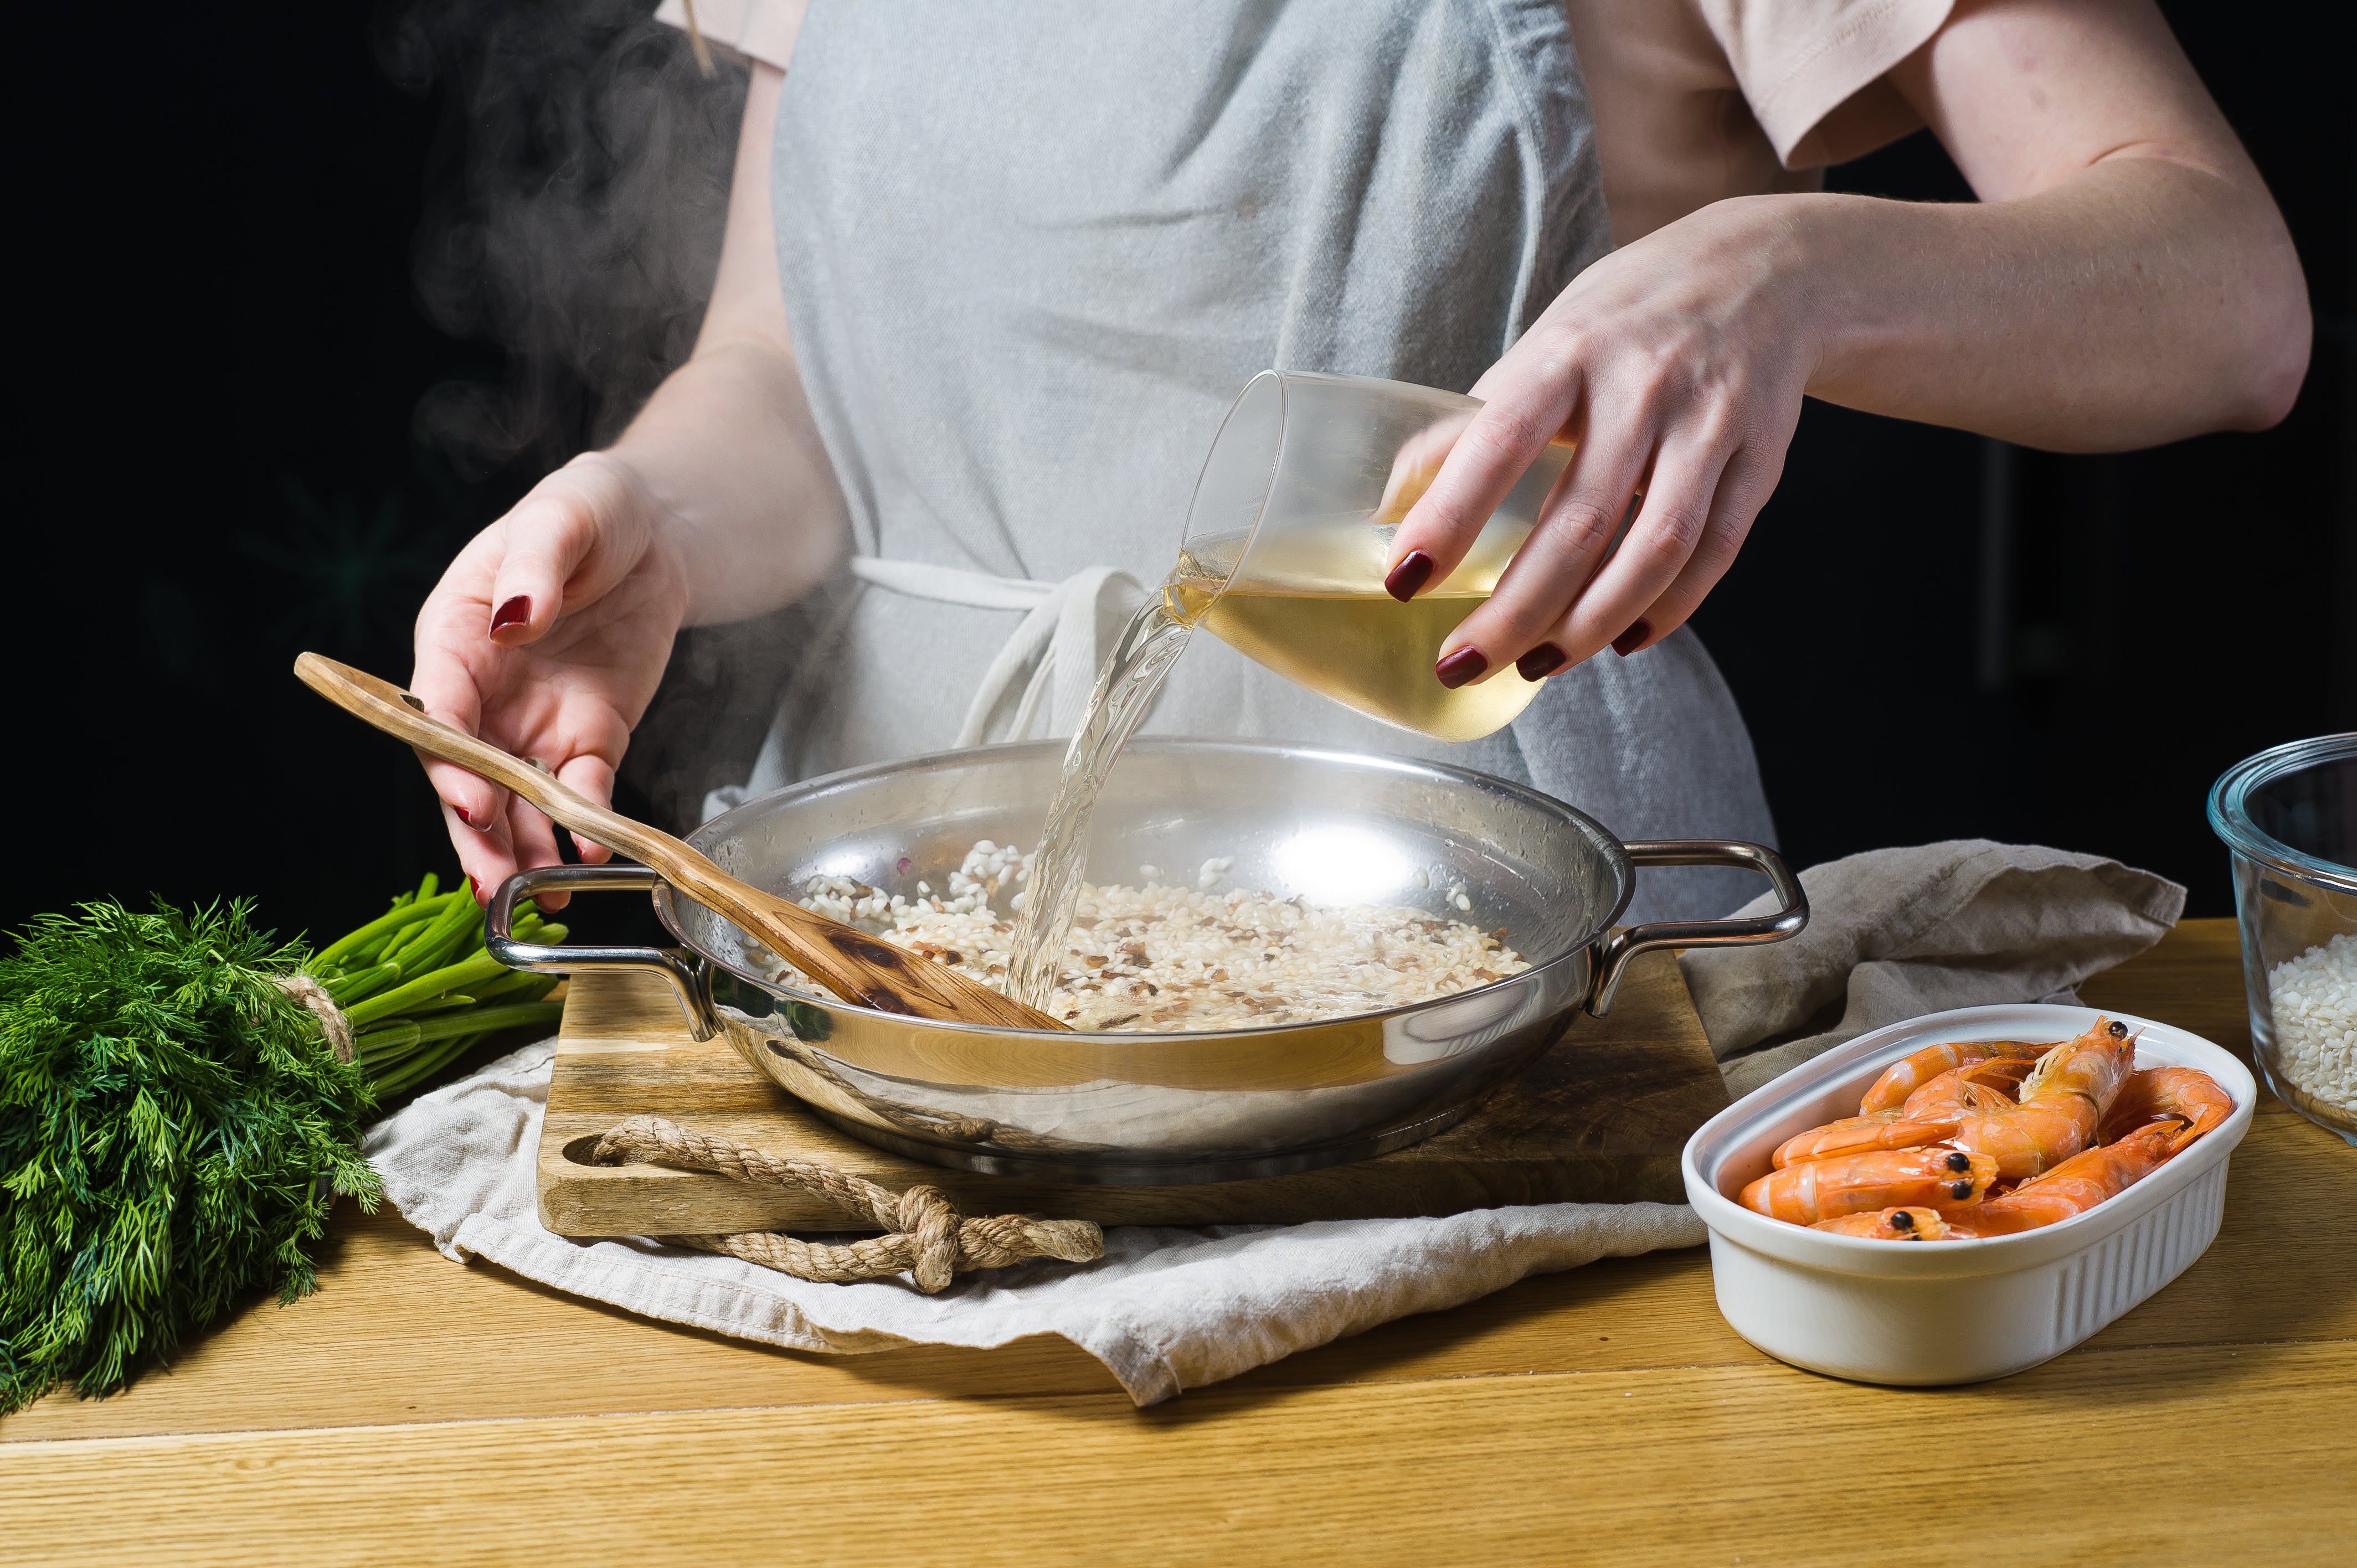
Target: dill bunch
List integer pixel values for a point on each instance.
(173, 1132)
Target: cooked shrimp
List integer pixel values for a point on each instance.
(2184, 1092)
(1891, 1225)
(1929, 1116)
(2063, 1103)
(2075, 1186)
(1910, 1073)
(1977, 1089)
(1932, 1177)
(1860, 1134)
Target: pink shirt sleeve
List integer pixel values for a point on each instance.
(764, 30)
(1811, 69)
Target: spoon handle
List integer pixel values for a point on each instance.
(395, 712)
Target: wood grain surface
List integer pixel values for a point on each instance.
(1601, 1118)
(419, 1411)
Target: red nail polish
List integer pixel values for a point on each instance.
(1629, 641)
(515, 612)
(1465, 664)
(460, 812)
(1541, 662)
(1414, 572)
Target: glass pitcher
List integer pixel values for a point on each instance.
(1287, 533)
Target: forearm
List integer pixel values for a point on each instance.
(727, 461)
(724, 462)
(2137, 302)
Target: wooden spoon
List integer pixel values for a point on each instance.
(847, 961)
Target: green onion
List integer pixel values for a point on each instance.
(442, 1003)
(382, 1045)
(419, 990)
(351, 988)
(454, 977)
(415, 1068)
(407, 910)
(482, 1020)
(510, 986)
(442, 936)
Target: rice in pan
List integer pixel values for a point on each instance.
(1162, 957)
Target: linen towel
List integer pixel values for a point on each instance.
(1166, 1308)
(1893, 933)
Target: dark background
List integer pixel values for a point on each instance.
(283, 353)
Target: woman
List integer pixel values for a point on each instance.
(992, 274)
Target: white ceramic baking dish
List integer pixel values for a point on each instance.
(1948, 1312)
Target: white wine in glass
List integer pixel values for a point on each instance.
(1309, 604)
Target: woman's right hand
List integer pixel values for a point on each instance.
(547, 637)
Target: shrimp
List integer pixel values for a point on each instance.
(1910, 1073)
(2075, 1186)
(1891, 1225)
(2186, 1093)
(1862, 1134)
(1930, 1115)
(1933, 1177)
(2062, 1104)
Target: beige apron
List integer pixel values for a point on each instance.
(1031, 250)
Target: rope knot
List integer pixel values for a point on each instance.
(314, 996)
(926, 1238)
(931, 1221)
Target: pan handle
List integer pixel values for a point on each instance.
(686, 971)
(1621, 946)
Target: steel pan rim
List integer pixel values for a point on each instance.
(1595, 833)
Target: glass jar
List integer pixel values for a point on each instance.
(2290, 817)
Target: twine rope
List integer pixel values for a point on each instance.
(927, 1237)
(332, 1023)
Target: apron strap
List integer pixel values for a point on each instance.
(1051, 657)
(1054, 653)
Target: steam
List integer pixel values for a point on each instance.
(573, 216)
(573, 212)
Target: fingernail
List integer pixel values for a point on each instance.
(1414, 572)
(1629, 641)
(515, 612)
(461, 814)
(1465, 664)
(1540, 662)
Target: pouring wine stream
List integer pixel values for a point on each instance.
(1320, 470)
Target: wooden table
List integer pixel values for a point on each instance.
(418, 1411)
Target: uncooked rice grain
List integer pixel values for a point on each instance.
(1163, 959)
(2313, 1001)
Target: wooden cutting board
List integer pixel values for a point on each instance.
(1600, 1118)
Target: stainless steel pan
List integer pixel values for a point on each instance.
(1330, 827)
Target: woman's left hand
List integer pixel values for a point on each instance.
(1676, 366)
